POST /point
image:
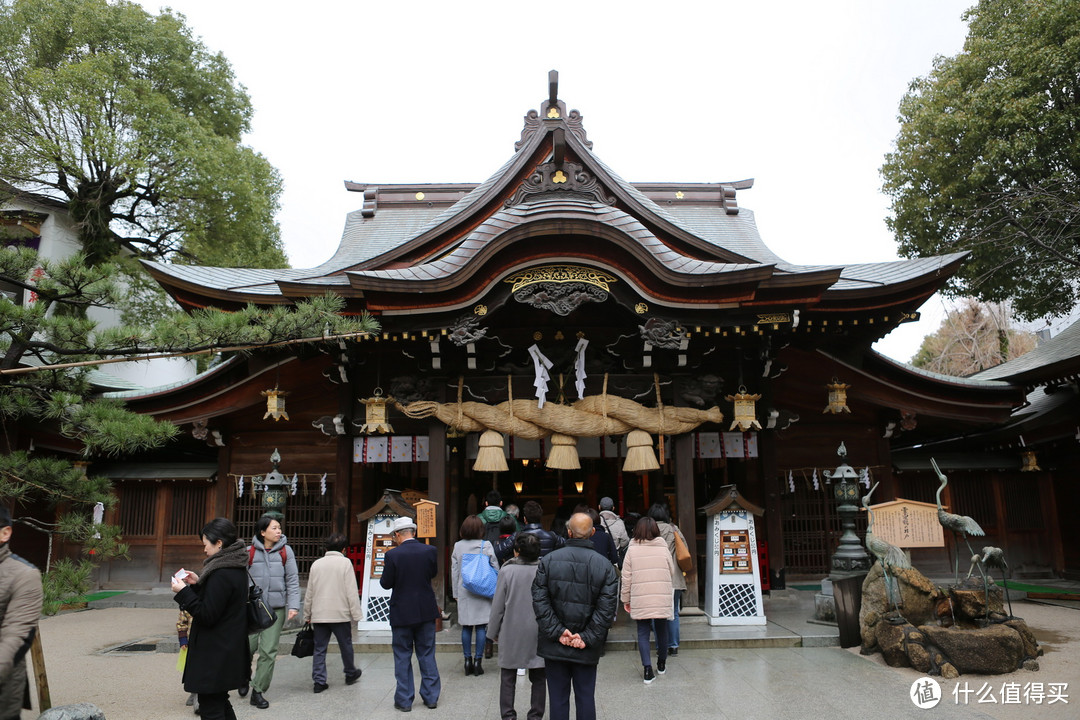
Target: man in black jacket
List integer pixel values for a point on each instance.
(534, 513)
(574, 597)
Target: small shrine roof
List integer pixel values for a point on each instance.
(728, 496)
(1057, 358)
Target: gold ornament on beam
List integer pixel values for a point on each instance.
(745, 410)
(275, 404)
(837, 398)
(1030, 462)
(375, 414)
(490, 456)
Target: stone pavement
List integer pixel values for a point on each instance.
(123, 660)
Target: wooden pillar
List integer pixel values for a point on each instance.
(343, 511)
(1051, 529)
(342, 484)
(774, 525)
(685, 507)
(437, 492)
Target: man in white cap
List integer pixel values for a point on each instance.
(408, 570)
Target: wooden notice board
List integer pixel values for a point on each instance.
(425, 518)
(380, 544)
(735, 552)
(908, 524)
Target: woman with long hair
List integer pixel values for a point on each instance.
(272, 565)
(646, 592)
(217, 656)
(474, 610)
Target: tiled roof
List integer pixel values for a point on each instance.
(1064, 348)
(738, 233)
(973, 381)
(565, 207)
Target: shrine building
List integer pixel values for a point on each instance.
(561, 308)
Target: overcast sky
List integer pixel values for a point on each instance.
(801, 96)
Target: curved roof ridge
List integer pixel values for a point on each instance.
(970, 381)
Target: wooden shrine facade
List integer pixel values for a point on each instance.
(556, 279)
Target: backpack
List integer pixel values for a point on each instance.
(491, 532)
(251, 555)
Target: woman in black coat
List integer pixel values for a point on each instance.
(217, 659)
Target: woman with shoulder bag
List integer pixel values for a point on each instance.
(659, 513)
(217, 656)
(272, 565)
(474, 610)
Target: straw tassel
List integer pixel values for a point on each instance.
(564, 455)
(639, 453)
(490, 457)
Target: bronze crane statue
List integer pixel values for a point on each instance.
(993, 557)
(886, 553)
(959, 524)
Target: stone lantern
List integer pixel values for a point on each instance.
(850, 558)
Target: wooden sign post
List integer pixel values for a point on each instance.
(908, 524)
(425, 519)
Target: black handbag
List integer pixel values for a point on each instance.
(304, 644)
(260, 616)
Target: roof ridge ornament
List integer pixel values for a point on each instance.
(552, 114)
(568, 177)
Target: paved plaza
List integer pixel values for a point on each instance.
(788, 669)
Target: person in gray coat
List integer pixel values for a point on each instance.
(21, 597)
(473, 610)
(272, 565)
(513, 626)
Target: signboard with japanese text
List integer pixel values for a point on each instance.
(380, 544)
(908, 524)
(425, 518)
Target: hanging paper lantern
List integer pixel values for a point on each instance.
(837, 398)
(639, 453)
(275, 404)
(1030, 462)
(563, 454)
(490, 456)
(375, 414)
(745, 410)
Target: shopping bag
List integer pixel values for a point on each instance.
(477, 575)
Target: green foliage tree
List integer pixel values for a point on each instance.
(138, 127)
(53, 330)
(988, 157)
(973, 336)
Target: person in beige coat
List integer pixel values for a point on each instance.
(647, 593)
(332, 605)
(20, 606)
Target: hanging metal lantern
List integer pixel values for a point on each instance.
(745, 410)
(275, 404)
(1030, 462)
(375, 414)
(837, 398)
